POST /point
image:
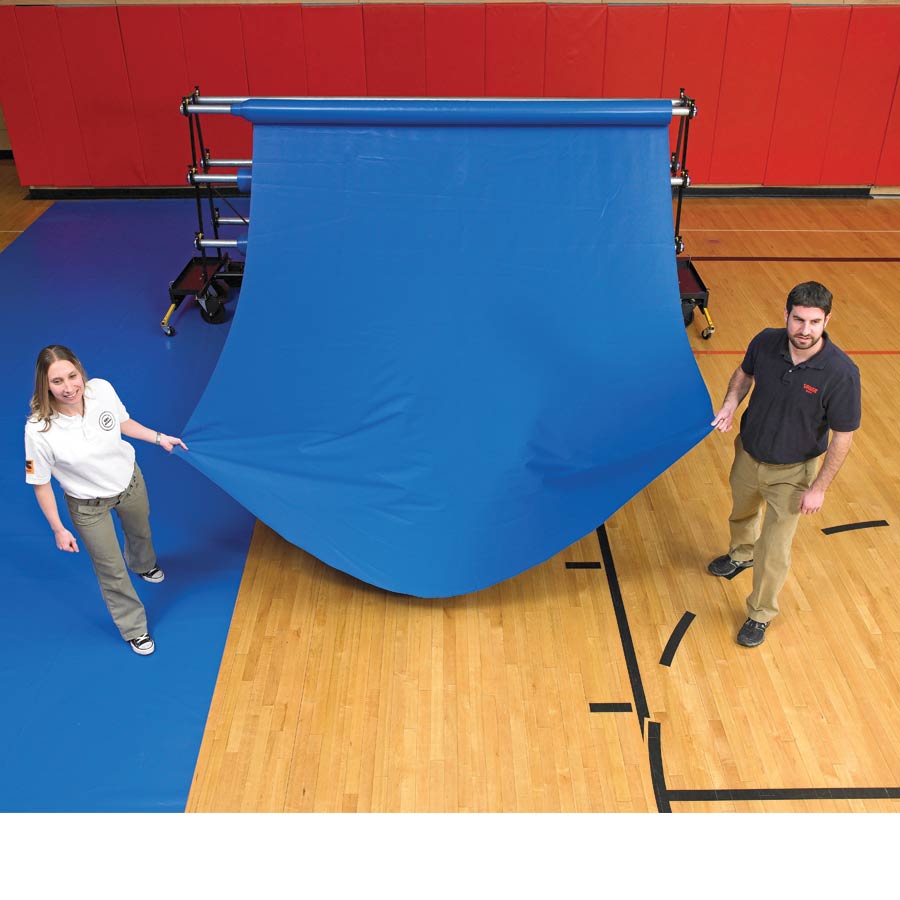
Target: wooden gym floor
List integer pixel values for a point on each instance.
(606, 679)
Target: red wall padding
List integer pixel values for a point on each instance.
(635, 46)
(454, 50)
(864, 95)
(19, 110)
(335, 51)
(786, 95)
(809, 80)
(576, 48)
(754, 51)
(214, 54)
(151, 33)
(395, 50)
(695, 49)
(51, 88)
(274, 50)
(889, 165)
(515, 38)
(96, 63)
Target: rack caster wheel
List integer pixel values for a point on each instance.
(211, 309)
(168, 330)
(687, 312)
(707, 333)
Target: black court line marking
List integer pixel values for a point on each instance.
(853, 526)
(673, 642)
(886, 793)
(830, 259)
(610, 707)
(584, 565)
(657, 776)
(664, 796)
(634, 672)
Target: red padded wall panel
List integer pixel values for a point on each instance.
(274, 50)
(635, 49)
(695, 49)
(22, 120)
(335, 51)
(96, 62)
(865, 91)
(515, 45)
(395, 50)
(214, 54)
(51, 88)
(754, 51)
(809, 79)
(576, 43)
(889, 165)
(454, 50)
(149, 34)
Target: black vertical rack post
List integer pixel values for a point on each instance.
(211, 275)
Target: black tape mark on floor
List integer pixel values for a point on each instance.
(657, 776)
(610, 707)
(673, 642)
(737, 572)
(584, 565)
(884, 793)
(853, 526)
(634, 672)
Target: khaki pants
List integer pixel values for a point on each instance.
(94, 523)
(766, 539)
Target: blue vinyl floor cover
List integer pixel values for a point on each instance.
(89, 726)
(459, 346)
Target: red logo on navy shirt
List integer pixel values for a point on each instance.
(810, 389)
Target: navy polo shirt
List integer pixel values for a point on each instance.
(792, 407)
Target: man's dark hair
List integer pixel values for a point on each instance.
(810, 293)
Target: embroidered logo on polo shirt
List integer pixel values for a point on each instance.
(810, 389)
(107, 421)
(29, 467)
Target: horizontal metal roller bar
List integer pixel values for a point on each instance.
(223, 105)
(681, 180)
(194, 178)
(227, 163)
(231, 220)
(210, 242)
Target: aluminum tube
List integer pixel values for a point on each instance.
(203, 242)
(194, 178)
(228, 163)
(681, 180)
(231, 220)
(189, 108)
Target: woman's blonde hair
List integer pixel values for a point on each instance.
(42, 408)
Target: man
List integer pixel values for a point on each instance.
(803, 387)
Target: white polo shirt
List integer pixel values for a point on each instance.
(86, 454)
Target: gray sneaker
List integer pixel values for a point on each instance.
(752, 633)
(727, 567)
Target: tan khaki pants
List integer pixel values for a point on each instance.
(766, 538)
(94, 523)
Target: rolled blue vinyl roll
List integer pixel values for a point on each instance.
(459, 344)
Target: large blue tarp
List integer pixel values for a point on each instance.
(459, 345)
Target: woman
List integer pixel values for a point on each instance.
(74, 434)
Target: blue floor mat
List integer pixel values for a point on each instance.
(90, 726)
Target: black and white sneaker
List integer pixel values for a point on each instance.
(154, 576)
(143, 645)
